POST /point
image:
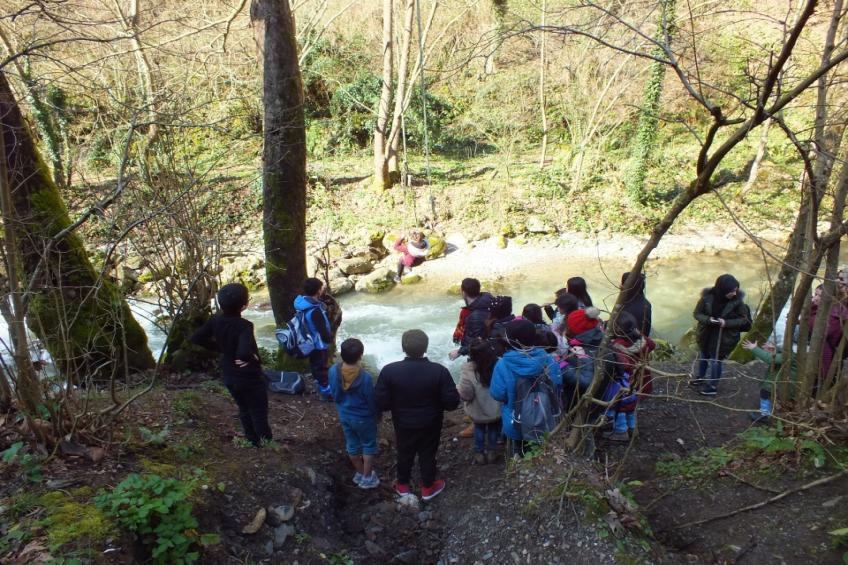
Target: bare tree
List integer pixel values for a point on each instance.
(381, 165)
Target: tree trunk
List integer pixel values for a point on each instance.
(542, 102)
(81, 318)
(758, 159)
(381, 165)
(646, 132)
(828, 140)
(284, 155)
(400, 93)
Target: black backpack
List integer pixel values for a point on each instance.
(536, 408)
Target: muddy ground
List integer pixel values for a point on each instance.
(550, 509)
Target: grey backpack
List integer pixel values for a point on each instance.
(285, 382)
(536, 409)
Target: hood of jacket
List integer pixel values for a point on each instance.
(302, 303)
(351, 376)
(482, 302)
(591, 337)
(527, 363)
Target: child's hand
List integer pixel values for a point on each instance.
(749, 345)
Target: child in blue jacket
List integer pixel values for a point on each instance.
(522, 361)
(352, 389)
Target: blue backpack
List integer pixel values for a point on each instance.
(296, 338)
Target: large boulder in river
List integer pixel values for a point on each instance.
(437, 247)
(341, 285)
(355, 265)
(381, 280)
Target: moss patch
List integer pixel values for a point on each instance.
(70, 521)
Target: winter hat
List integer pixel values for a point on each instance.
(414, 343)
(231, 297)
(726, 284)
(582, 320)
(522, 332)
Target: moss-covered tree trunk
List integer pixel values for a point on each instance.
(646, 133)
(284, 156)
(81, 318)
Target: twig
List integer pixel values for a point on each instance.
(784, 494)
(750, 484)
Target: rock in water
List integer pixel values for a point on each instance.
(437, 247)
(376, 282)
(502, 242)
(256, 523)
(340, 285)
(355, 265)
(411, 278)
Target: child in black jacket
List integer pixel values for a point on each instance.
(232, 336)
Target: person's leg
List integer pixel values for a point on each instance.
(703, 364)
(353, 446)
(237, 392)
(493, 430)
(405, 446)
(479, 438)
(358, 464)
(368, 436)
(428, 445)
(400, 267)
(631, 420)
(318, 366)
(258, 409)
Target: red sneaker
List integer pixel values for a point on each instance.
(401, 488)
(433, 490)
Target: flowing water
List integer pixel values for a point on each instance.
(673, 287)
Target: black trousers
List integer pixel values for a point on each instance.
(423, 442)
(251, 396)
(318, 365)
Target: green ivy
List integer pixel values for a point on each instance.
(158, 511)
(646, 133)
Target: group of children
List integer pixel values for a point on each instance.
(505, 352)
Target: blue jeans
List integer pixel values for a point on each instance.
(707, 361)
(484, 432)
(360, 436)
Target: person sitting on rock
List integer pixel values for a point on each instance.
(413, 253)
(417, 391)
(352, 389)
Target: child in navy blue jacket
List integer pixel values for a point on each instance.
(352, 389)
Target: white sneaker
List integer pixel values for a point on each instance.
(370, 482)
(357, 478)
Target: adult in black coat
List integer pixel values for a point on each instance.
(722, 316)
(636, 304)
(417, 391)
(479, 304)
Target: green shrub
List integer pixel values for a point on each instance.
(159, 512)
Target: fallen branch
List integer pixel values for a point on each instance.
(784, 494)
